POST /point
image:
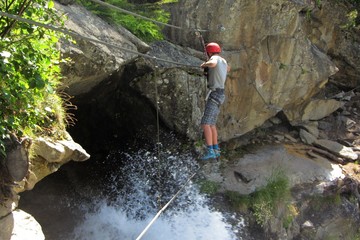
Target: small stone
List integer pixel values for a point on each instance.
(308, 224)
(307, 137)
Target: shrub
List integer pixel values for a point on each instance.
(29, 70)
(265, 200)
(144, 29)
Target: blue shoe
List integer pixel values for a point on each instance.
(208, 155)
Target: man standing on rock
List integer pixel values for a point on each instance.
(217, 72)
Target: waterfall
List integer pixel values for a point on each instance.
(138, 187)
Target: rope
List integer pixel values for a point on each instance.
(76, 35)
(158, 148)
(67, 32)
(143, 17)
(206, 71)
(157, 106)
(158, 144)
(163, 209)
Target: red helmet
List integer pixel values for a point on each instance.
(213, 48)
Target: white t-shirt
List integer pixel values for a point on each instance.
(217, 75)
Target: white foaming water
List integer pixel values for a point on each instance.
(110, 222)
(144, 181)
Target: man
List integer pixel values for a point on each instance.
(217, 72)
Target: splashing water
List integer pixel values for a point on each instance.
(143, 184)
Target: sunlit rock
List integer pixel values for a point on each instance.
(337, 149)
(92, 62)
(20, 225)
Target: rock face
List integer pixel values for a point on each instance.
(282, 53)
(279, 62)
(92, 62)
(23, 172)
(49, 155)
(17, 158)
(20, 225)
(274, 65)
(337, 39)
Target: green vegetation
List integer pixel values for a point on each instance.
(30, 72)
(320, 202)
(290, 214)
(282, 66)
(352, 16)
(144, 29)
(357, 235)
(265, 200)
(209, 187)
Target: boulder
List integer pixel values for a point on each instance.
(253, 171)
(49, 156)
(274, 66)
(60, 151)
(312, 127)
(336, 148)
(318, 109)
(307, 137)
(329, 28)
(92, 62)
(19, 225)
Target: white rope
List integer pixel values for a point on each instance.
(15, 17)
(163, 209)
(76, 35)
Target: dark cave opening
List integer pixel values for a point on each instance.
(115, 115)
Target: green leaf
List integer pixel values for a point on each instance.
(39, 82)
(51, 4)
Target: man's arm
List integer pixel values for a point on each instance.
(211, 63)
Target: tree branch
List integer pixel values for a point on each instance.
(25, 4)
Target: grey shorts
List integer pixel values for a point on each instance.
(212, 107)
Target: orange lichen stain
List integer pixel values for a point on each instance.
(296, 149)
